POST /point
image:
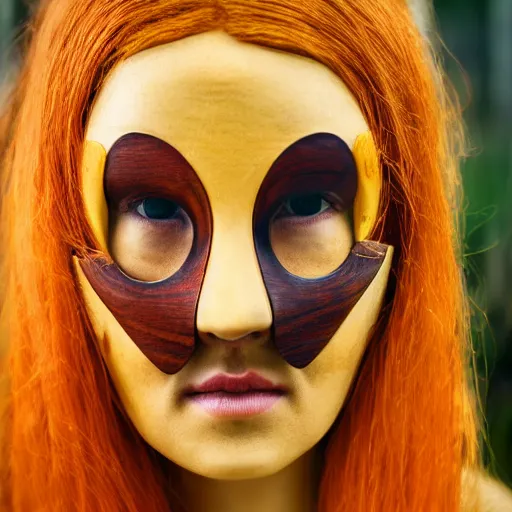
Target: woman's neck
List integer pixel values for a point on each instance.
(293, 489)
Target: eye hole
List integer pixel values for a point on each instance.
(149, 237)
(157, 208)
(306, 206)
(311, 234)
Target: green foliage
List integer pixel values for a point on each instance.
(488, 250)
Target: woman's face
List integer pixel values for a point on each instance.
(211, 116)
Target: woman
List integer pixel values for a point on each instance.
(230, 269)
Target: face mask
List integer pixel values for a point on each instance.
(232, 207)
(159, 316)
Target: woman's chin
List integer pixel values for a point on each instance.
(233, 463)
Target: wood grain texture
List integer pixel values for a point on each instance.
(158, 316)
(307, 312)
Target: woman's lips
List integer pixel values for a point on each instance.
(235, 395)
(220, 403)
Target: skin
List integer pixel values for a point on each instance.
(200, 94)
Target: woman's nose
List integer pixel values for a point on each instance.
(233, 303)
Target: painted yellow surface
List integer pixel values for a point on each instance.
(93, 194)
(366, 204)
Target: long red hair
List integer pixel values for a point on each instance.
(405, 433)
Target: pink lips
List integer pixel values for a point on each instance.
(235, 395)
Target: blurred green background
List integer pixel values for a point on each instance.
(477, 36)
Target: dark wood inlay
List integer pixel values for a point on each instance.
(307, 312)
(160, 316)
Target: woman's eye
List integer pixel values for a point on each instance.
(156, 208)
(305, 206)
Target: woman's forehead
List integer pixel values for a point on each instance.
(230, 108)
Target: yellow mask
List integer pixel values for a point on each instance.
(219, 176)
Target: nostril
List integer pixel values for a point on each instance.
(231, 336)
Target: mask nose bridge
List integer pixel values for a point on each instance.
(233, 300)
